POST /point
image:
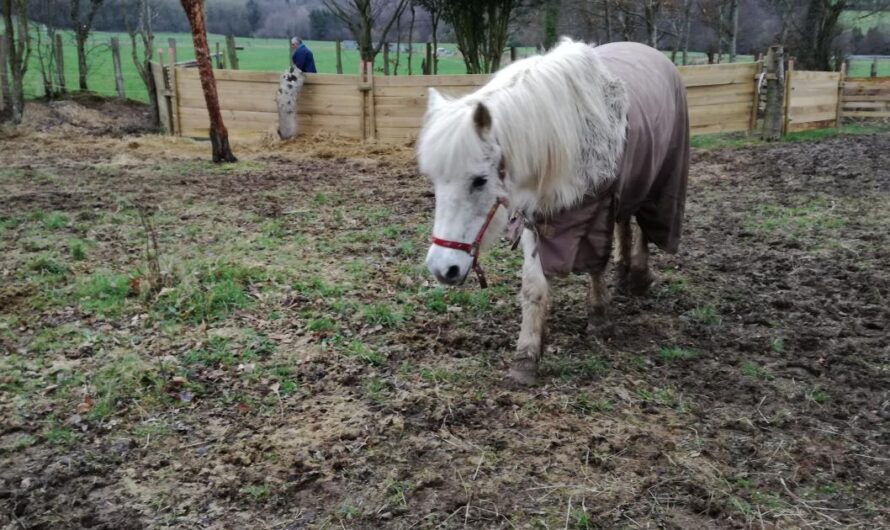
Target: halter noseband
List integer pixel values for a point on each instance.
(475, 247)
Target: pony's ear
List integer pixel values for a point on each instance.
(482, 119)
(435, 99)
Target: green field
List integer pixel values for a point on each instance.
(258, 54)
(265, 55)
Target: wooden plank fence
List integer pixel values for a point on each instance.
(812, 100)
(866, 97)
(722, 98)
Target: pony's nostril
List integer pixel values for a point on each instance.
(452, 272)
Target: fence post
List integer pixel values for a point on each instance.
(118, 75)
(775, 94)
(339, 58)
(874, 67)
(385, 58)
(233, 54)
(789, 75)
(219, 60)
(512, 54)
(171, 51)
(752, 122)
(60, 63)
(840, 96)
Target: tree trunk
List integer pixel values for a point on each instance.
(152, 90)
(775, 94)
(434, 67)
(411, 40)
(219, 136)
(651, 11)
(5, 93)
(17, 46)
(81, 42)
(735, 30)
(607, 15)
(687, 21)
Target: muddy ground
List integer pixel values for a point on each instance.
(290, 365)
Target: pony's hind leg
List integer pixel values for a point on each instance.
(639, 278)
(534, 294)
(624, 240)
(599, 325)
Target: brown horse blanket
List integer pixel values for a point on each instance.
(651, 175)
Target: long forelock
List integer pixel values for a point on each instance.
(449, 139)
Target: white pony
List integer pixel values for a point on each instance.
(548, 135)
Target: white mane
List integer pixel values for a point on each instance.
(559, 119)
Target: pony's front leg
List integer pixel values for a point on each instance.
(534, 294)
(639, 278)
(632, 267)
(599, 325)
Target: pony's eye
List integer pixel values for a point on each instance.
(478, 182)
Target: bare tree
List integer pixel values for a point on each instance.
(219, 136)
(363, 17)
(141, 29)
(18, 52)
(44, 48)
(82, 24)
(481, 28)
(411, 37)
(734, 28)
(434, 8)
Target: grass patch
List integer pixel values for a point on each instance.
(382, 315)
(54, 221)
(321, 325)
(795, 221)
(675, 353)
(58, 434)
(753, 370)
(77, 250)
(256, 492)
(360, 351)
(216, 352)
(122, 382)
(209, 293)
(737, 140)
(706, 314)
(375, 388)
(586, 405)
(48, 265)
(103, 293)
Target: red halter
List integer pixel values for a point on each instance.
(473, 248)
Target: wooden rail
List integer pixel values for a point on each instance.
(721, 98)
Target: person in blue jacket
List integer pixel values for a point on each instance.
(302, 57)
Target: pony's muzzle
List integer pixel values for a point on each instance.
(449, 267)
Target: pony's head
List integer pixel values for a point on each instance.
(457, 151)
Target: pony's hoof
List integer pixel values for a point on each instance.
(603, 329)
(523, 372)
(638, 282)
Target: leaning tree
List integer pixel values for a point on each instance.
(141, 29)
(219, 136)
